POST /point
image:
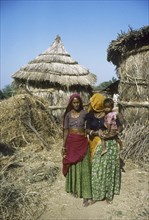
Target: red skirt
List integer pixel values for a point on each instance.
(76, 149)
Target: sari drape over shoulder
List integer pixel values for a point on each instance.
(93, 143)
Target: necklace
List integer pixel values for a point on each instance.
(75, 114)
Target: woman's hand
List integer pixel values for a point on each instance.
(63, 152)
(100, 133)
(92, 133)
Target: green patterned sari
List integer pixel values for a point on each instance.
(106, 173)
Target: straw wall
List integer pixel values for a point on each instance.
(134, 87)
(58, 97)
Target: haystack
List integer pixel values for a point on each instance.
(25, 120)
(54, 75)
(130, 53)
(29, 147)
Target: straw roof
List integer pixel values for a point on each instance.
(54, 66)
(128, 43)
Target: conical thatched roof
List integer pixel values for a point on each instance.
(55, 65)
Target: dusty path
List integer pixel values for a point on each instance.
(131, 204)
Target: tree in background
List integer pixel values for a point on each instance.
(7, 92)
(1, 95)
(103, 85)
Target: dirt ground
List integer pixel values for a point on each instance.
(132, 203)
(53, 203)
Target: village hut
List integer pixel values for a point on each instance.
(111, 89)
(54, 75)
(130, 54)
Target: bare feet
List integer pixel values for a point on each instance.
(86, 202)
(92, 202)
(109, 202)
(75, 195)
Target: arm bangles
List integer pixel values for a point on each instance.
(91, 132)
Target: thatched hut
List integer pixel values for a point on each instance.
(54, 75)
(130, 54)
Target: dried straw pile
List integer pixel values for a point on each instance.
(135, 139)
(25, 119)
(25, 180)
(31, 167)
(16, 202)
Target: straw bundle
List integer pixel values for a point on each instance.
(27, 161)
(25, 120)
(135, 139)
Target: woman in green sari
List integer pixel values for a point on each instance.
(75, 151)
(106, 173)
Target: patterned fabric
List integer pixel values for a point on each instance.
(93, 144)
(94, 123)
(74, 123)
(78, 178)
(106, 175)
(110, 118)
(96, 102)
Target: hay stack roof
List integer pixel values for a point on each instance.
(55, 65)
(128, 43)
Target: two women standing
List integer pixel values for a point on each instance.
(89, 175)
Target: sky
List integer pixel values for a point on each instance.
(86, 28)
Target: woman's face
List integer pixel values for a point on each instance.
(76, 104)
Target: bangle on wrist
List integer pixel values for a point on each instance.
(91, 132)
(96, 132)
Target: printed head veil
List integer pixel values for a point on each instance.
(96, 102)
